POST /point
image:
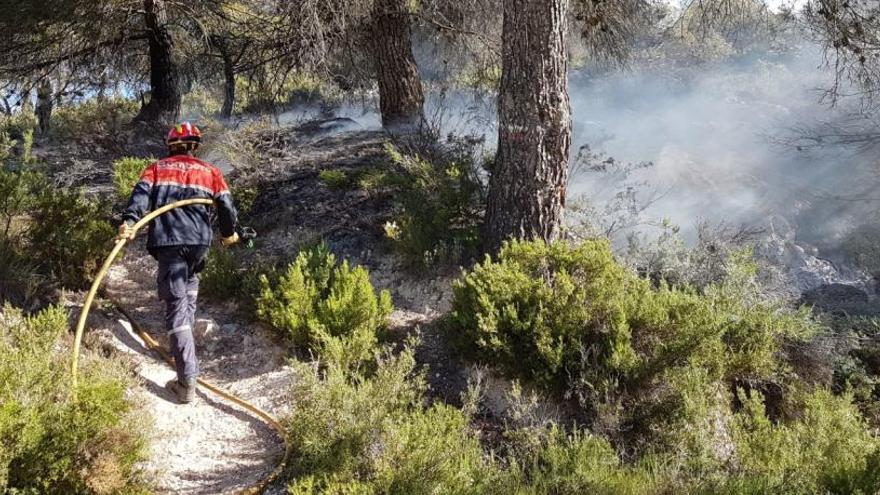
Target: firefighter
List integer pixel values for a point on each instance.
(44, 107)
(179, 240)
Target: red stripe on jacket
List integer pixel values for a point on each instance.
(186, 171)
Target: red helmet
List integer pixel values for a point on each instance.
(183, 133)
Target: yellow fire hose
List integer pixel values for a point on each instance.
(152, 344)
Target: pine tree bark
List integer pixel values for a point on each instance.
(228, 80)
(164, 104)
(528, 179)
(401, 98)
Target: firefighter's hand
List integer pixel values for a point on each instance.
(125, 232)
(228, 241)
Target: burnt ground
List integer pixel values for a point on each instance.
(294, 208)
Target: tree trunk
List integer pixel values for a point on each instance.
(228, 80)
(164, 104)
(401, 99)
(527, 185)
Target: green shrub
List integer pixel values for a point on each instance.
(16, 125)
(19, 190)
(353, 434)
(335, 179)
(20, 280)
(126, 173)
(329, 308)
(93, 119)
(655, 366)
(826, 450)
(70, 235)
(551, 460)
(51, 442)
(438, 208)
(6, 146)
(244, 198)
(371, 180)
(557, 314)
(27, 148)
(225, 277)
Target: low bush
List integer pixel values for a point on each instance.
(53, 231)
(20, 280)
(550, 313)
(438, 207)
(329, 308)
(549, 459)
(15, 126)
(70, 235)
(336, 179)
(244, 197)
(93, 119)
(51, 442)
(226, 278)
(6, 146)
(352, 434)
(651, 365)
(19, 190)
(828, 449)
(126, 173)
(853, 347)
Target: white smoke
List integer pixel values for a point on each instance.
(713, 137)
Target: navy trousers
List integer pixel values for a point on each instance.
(178, 287)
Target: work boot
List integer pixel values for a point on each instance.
(184, 391)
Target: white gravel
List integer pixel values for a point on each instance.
(209, 446)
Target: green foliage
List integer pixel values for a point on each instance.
(335, 179)
(18, 194)
(6, 145)
(15, 126)
(126, 173)
(202, 100)
(93, 119)
(17, 138)
(52, 442)
(353, 434)
(20, 279)
(658, 364)
(70, 235)
(548, 313)
(827, 450)
(226, 278)
(350, 433)
(329, 308)
(43, 229)
(550, 460)
(244, 198)
(371, 180)
(438, 208)
(857, 371)
(27, 147)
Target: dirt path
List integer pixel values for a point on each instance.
(209, 446)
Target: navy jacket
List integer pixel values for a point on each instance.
(174, 179)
